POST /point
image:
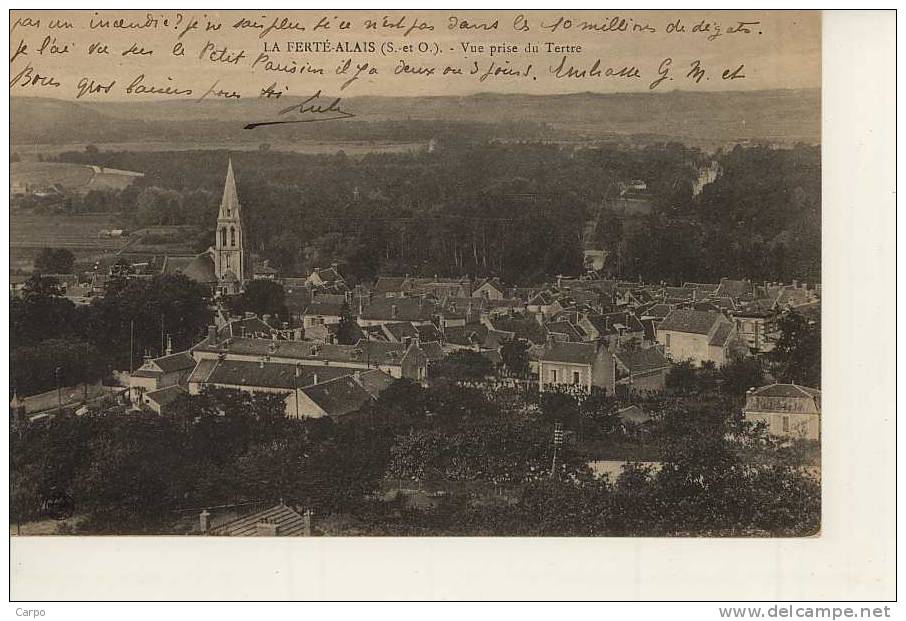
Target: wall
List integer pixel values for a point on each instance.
(565, 372)
(654, 381)
(801, 425)
(317, 320)
(694, 347)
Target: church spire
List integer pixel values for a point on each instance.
(229, 204)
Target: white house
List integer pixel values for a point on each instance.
(788, 410)
(698, 336)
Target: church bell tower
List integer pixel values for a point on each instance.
(229, 255)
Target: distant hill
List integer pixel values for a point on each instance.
(783, 116)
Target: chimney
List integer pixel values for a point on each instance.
(314, 379)
(261, 363)
(169, 345)
(298, 370)
(204, 520)
(795, 284)
(306, 523)
(212, 334)
(266, 318)
(393, 309)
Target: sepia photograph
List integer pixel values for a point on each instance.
(415, 274)
(497, 313)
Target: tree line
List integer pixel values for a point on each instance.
(513, 210)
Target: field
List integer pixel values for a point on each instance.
(78, 234)
(72, 177)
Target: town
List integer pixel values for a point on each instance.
(447, 398)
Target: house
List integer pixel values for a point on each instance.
(160, 400)
(565, 331)
(757, 325)
(249, 326)
(439, 287)
(278, 521)
(396, 359)
(326, 277)
(615, 329)
(400, 332)
(280, 378)
(736, 289)
(490, 289)
(405, 286)
(634, 416)
(698, 336)
(471, 336)
(581, 365)
(320, 312)
(264, 271)
(335, 398)
(703, 289)
(156, 373)
(389, 286)
(788, 410)
(642, 370)
(394, 310)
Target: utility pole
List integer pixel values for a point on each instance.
(298, 372)
(131, 343)
(58, 374)
(558, 440)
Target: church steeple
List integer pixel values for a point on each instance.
(229, 245)
(229, 204)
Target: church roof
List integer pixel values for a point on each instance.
(229, 204)
(201, 269)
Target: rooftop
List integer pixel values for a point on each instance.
(692, 321)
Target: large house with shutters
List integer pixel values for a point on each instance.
(788, 410)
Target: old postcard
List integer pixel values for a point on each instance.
(415, 273)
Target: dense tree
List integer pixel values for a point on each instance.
(797, 353)
(740, 374)
(463, 365)
(521, 216)
(262, 297)
(348, 332)
(54, 261)
(682, 377)
(515, 357)
(144, 312)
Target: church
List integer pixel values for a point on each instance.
(224, 267)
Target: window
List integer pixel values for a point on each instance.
(553, 376)
(223, 236)
(232, 236)
(576, 378)
(786, 424)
